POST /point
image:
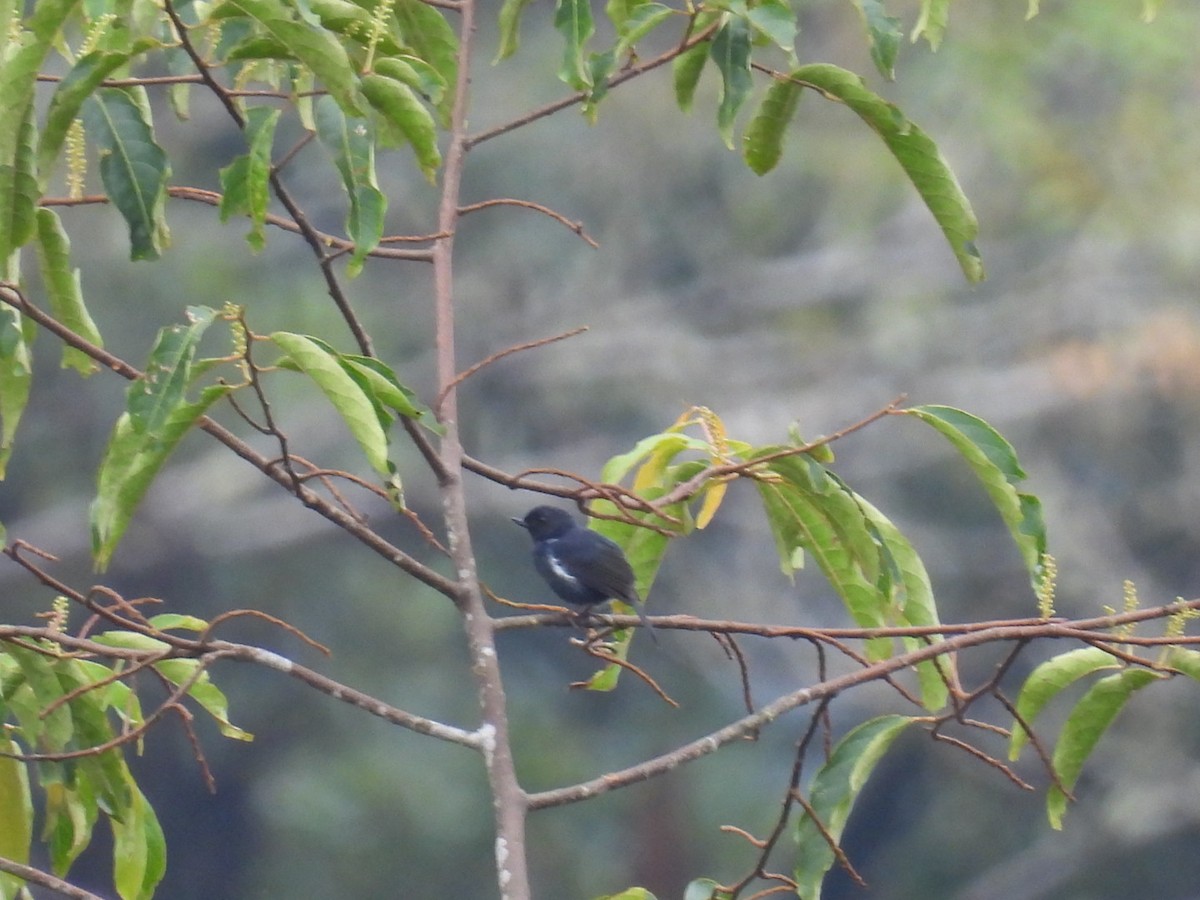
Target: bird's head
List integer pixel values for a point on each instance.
(545, 522)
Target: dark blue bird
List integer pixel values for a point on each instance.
(582, 567)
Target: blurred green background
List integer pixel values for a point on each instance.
(816, 294)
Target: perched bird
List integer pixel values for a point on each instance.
(584, 568)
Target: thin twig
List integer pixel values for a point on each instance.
(575, 227)
(500, 354)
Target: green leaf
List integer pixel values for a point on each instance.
(48, 18)
(1050, 679)
(917, 154)
(1084, 727)
(912, 595)
(70, 815)
(832, 794)
(995, 464)
(685, 70)
(16, 377)
(157, 417)
(176, 621)
(399, 106)
(883, 34)
(640, 21)
(79, 84)
(18, 184)
(351, 402)
(704, 889)
(380, 383)
(416, 73)
(204, 692)
(931, 23)
(63, 288)
(354, 155)
(762, 144)
(635, 893)
(245, 183)
(665, 446)
(510, 28)
(314, 47)
(133, 167)
(139, 849)
(151, 399)
(775, 21)
(45, 731)
(1183, 660)
(573, 19)
(731, 53)
(16, 815)
(430, 37)
(809, 509)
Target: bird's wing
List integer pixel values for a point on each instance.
(599, 564)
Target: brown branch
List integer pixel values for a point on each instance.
(968, 637)
(499, 355)
(579, 96)
(574, 227)
(591, 648)
(842, 858)
(46, 880)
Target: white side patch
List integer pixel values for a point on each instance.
(558, 570)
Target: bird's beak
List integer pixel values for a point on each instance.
(520, 522)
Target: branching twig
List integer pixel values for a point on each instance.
(575, 227)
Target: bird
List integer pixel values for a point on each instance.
(582, 567)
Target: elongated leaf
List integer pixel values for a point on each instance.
(380, 383)
(139, 849)
(79, 84)
(762, 144)
(430, 37)
(151, 399)
(1050, 679)
(398, 104)
(995, 464)
(808, 509)
(573, 19)
(832, 795)
(912, 594)
(917, 154)
(641, 20)
(685, 70)
(775, 21)
(47, 731)
(1084, 727)
(731, 53)
(63, 287)
(16, 377)
(133, 167)
(354, 155)
(157, 417)
(16, 815)
(1184, 660)
(354, 406)
(18, 184)
(245, 183)
(204, 692)
(131, 461)
(314, 47)
(417, 74)
(931, 23)
(884, 35)
(510, 28)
